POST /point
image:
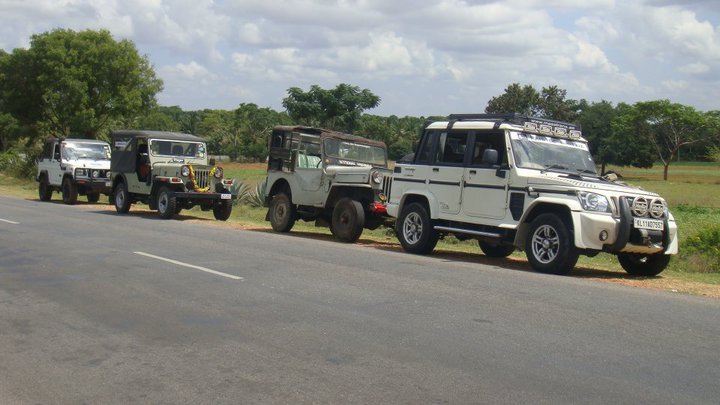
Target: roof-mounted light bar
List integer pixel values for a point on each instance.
(535, 125)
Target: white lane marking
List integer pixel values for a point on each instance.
(192, 266)
(9, 222)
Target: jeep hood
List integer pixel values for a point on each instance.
(89, 164)
(353, 174)
(560, 181)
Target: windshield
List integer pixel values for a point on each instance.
(77, 150)
(351, 153)
(179, 149)
(546, 152)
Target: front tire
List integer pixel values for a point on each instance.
(549, 246)
(122, 198)
(496, 250)
(348, 220)
(222, 210)
(44, 189)
(281, 213)
(639, 265)
(166, 203)
(415, 231)
(69, 191)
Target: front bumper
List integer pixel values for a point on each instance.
(97, 186)
(197, 196)
(622, 237)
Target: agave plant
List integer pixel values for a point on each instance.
(240, 190)
(256, 198)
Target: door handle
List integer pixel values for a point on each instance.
(435, 169)
(473, 172)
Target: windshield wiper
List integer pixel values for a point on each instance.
(588, 171)
(554, 166)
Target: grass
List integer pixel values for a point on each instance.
(692, 191)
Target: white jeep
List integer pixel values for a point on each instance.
(517, 182)
(74, 166)
(329, 177)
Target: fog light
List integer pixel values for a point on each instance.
(603, 236)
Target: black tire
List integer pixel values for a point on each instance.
(122, 198)
(44, 189)
(348, 220)
(93, 198)
(222, 210)
(496, 250)
(639, 265)
(550, 246)
(415, 230)
(69, 191)
(166, 203)
(281, 213)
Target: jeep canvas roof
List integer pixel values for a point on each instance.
(326, 133)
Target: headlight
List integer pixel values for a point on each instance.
(81, 173)
(218, 172)
(377, 177)
(593, 201)
(185, 171)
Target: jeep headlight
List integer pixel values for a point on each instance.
(377, 177)
(593, 201)
(185, 171)
(218, 173)
(81, 173)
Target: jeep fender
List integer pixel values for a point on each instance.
(278, 186)
(564, 207)
(42, 172)
(411, 196)
(358, 192)
(120, 178)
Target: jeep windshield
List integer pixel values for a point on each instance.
(548, 153)
(177, 149)
(349, 153)
(81, 150)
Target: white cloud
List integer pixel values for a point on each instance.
(695, 68)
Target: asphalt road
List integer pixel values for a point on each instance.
(101, 308)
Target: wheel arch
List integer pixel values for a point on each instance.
(280, 185)
(422, 198)
(362, 194)
(541, 207)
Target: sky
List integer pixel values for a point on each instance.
(422, 57)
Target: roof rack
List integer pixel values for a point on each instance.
(531, 124)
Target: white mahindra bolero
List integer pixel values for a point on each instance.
(516, 182)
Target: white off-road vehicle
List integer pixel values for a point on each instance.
(516, 182)
(329, 177)
(72, 167)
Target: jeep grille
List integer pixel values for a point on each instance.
(387, 185)
(202, 178)
(647, 207)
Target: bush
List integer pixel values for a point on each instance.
(714, 153)
(20, 164)
(702, 250)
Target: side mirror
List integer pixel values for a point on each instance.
(490, 157)
(212, 161)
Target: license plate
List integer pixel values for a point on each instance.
(645, 223)
(225, 196)
(108, 183)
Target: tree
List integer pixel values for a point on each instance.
(516, 99)
(339, 108)
(76, 83)
(554, 105)
(595, 120)
(664, 126)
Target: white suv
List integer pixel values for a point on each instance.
(517, 182)
(72, 167)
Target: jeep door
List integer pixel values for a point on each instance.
(485, 187)
(446, 171)
(56, 168)
(309, 172)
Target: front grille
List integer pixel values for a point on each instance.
(647, 207)
(387, 185)
(202, 178)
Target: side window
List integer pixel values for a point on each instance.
(451, 148)
(56, 151)
(308, 153)
(488, 140)
(426, 147)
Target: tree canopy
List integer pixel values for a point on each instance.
(76, 83)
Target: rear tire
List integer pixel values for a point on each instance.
(348, 220)
(222, 210)
(44, 189)
(166, 203)
(415, 231)
(281, 213)
(69, 191)
(639, 265)
(122, 198)
(496, 250)
(549, 246)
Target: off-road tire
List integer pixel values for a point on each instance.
(122, 198)
(166, 203)
(348, 220)
(415, 230)
(44, 189)
(281, 213)
(550, 246)
(93, 198)
(69, 191)
(496, 250)
(222, 210)
(639, 265)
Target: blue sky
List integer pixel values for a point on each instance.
(423, 57)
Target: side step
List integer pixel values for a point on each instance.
(467, 231)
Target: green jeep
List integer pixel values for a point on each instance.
(169, 172)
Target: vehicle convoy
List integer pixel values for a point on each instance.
(335, 179)
(516, 182)
(74, 167)
(169, 172)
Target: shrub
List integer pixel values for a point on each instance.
(714, 153)
(702, 250)
(240, 190)
(20, 164)
(256, 198)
